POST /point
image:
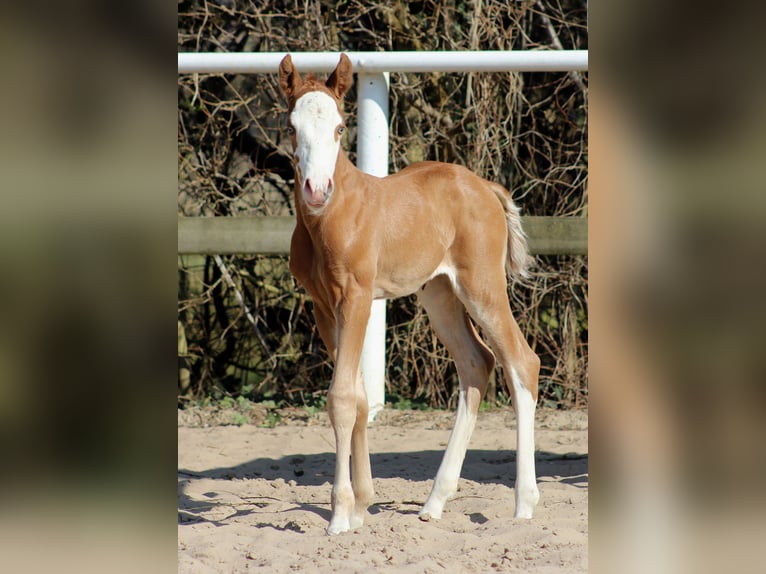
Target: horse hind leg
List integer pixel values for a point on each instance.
(524, 393)
(474, 363)
(491, 310)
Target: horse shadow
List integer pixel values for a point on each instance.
(482, 466)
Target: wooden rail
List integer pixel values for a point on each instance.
(271, 235)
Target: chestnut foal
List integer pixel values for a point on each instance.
(433, 228)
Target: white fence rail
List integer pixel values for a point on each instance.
(379, 62)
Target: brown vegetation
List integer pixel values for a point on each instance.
(526, 131)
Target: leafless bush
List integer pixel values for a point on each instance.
(526, 131)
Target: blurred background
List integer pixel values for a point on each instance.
(677, 277)
(88, 181)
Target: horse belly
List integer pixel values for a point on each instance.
(388, 290)
(401, 280)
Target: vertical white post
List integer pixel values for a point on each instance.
(372, 158)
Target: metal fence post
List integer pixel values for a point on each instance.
(372, 158)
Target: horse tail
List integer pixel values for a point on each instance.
(519, 260)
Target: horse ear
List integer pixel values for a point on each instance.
(341, 79)
(289, 78)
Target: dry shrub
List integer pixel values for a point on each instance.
(526, 131)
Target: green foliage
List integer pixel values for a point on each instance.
(316, 405)
(273, 418)
(407, 404)
(240, 419)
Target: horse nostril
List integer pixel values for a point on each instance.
(329, 184)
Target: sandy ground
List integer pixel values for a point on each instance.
(258, 499)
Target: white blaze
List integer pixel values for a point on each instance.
(316, 120)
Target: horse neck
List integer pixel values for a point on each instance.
(348, 178)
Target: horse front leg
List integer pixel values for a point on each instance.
(361, 472)
(348, 418)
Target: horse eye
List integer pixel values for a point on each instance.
(291, 130)
(341, 129)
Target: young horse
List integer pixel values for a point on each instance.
(433, 228)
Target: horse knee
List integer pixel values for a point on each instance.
(528, 371)
(342, 407)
